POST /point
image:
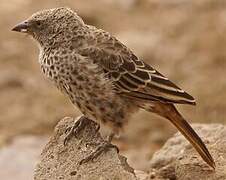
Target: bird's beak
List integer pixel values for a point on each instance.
(21, 27)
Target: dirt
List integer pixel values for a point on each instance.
(184, 40)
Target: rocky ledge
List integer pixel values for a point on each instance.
(176, 160)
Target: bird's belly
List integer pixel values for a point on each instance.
(92, 93)
(97, 100)
(106, 109)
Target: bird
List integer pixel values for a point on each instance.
(103, 77)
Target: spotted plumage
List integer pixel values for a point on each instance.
(103, 77)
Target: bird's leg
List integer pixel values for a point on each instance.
(101, 148)
(78, 125)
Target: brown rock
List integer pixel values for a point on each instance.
(61, 162)
(178, 160)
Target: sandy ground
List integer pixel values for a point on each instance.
(185, 40)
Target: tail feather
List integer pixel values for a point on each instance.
(170, 112)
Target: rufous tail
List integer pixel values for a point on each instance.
(170, 112)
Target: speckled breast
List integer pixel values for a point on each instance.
(87, 87)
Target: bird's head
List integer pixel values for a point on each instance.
(46, 25)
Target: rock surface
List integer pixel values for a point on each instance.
(61, 162)
(177, 160)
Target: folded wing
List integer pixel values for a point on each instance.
(133, 77)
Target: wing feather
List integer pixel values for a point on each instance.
(133, 77)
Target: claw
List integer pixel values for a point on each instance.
(100, 149)
(74, 130)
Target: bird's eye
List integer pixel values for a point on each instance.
(38, 23)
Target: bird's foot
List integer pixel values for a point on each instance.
(76, 128)
(100, 149)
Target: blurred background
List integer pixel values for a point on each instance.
(184, 39)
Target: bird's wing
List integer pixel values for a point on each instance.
(133, 77)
